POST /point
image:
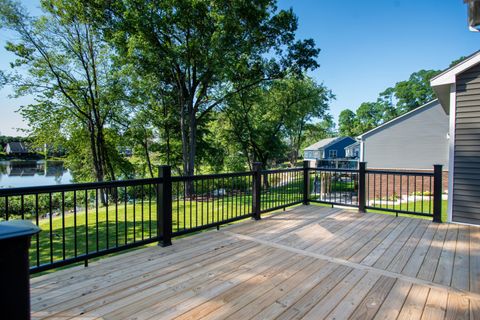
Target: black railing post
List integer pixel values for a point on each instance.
(306, 182)
(164, 206)
(362, 201)
(256, 190)
(14, 268)
(437, 193)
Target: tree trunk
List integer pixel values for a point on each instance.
(192, 143)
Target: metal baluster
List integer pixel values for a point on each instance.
(96, 219)
(63, 225)
(86, 228)
(106, 218)
(50, 225)
(75, 249)
(134, 213)
(37, 236)
(142, 208)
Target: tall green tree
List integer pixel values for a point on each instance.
(412, 93)
(347, 123)
(270, 121)
(307, 101)
(63, 62)
(205, 51)
(319, 130)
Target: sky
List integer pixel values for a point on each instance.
(366, 46)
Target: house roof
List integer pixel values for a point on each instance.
(442, 82)
(17, 147)
(322, 144)
(398, 119)
(357, 143)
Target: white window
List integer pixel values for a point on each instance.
(332, 154)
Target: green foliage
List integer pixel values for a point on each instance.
(269, 122)
(171, 80)
(347, 123)
(201, 54)
(65, 64)
(411, 93)
(394, 101)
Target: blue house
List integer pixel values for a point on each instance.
(328, 149)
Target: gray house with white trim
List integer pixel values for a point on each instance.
(458, 89)
(415, 140)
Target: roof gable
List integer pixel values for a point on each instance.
(17, 147)
(449, 75)
(441, 83)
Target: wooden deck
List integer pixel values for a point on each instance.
(307, 263)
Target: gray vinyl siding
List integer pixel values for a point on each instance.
(466, 173)
(415, 141)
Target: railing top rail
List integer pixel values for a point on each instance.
(400, 172)
(211, 176)
(282, 170)
(76, 186)
(335, 170)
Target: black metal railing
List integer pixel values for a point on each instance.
(83, 221)
(281, 188)
(334, 186)
(407, 192)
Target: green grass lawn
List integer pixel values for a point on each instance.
(417, 206)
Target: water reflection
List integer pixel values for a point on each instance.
(33, 173)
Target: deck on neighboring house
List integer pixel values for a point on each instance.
(310, 262)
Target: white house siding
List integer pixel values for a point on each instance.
(417, 140)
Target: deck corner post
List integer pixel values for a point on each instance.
(306, 182)
(15, 237)
(164, 206)
(362, 200)
(437, 193)
(256, 190)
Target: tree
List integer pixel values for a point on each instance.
(205, 51)
(347, 123)
(269, 121)
(68, 68)
(307, 101)
(319, 130)
(411, 93)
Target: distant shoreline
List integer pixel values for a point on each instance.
(30, 157)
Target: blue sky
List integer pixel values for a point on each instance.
(366, 45)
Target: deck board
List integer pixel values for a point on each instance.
(309, 262)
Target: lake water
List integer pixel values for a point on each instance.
(33, 173)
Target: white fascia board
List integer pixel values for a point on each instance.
(449, 76)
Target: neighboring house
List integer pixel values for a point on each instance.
(328, 149)
(16, 149)
(458, 89)
(415, 140)
(353, 151)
